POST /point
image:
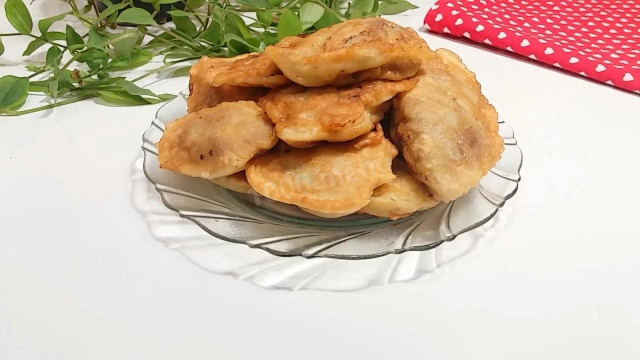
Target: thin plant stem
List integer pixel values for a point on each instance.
(186, 4)
(49, 106)
(183, 39)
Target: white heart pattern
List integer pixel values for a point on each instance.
(598, 41)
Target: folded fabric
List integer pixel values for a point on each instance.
(599, 39)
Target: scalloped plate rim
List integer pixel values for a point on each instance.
(397, 251)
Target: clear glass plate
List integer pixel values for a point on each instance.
(284, 230)
(295, 272)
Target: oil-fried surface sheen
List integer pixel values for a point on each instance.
(328, 179)
(304, 116)
(446, 129)
(251, 70)
(400, 197)
(350, 52)
(216, 141)
(204, 92)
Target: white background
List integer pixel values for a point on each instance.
(81, 278)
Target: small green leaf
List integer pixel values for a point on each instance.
(96, 39)
(13, 92)
(395, 7)
(133, 89)
(275, 3)
(55, 35)
(213, 34)
(258, 4)
(137, 58)
(162, 2)
(93, 84)
(33, 68)
(310, 13)
(180, 72)
(54, 55)
(166, 97)
(238, 45)
(73, 38)
(1, 47)
(327, 19)
(236, 25)
(374, 11)
(178, 13)
(94, 58)
(111, 10)
(265, 17)
(33, 46)
(87, 7)
(360, 8)
(195, 4)
(289, 24)
(136, 16)
(18, 15)
(52, 88)
(65, 81)
(121, 98)
(185, 25)
(124, 42)
(46, 23)
(269, 38)
(178, 54)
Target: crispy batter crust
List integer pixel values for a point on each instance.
(446, 129)
(327, 179)
(252, 70)
(305, 116)
(350, 52)
(400, 197)
(216, 141)
(204, 94)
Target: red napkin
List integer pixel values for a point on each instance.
(599, 39)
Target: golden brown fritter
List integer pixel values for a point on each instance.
(204, 94)
(304, 116)
(251, 71)
(328, 180)
(400, 197)
(350, 52)
(217, 141)
(446, 129)
(236, 182)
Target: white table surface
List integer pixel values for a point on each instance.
(82, 278)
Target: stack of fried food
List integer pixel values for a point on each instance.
(301, 123)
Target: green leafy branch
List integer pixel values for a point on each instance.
(86, 64)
